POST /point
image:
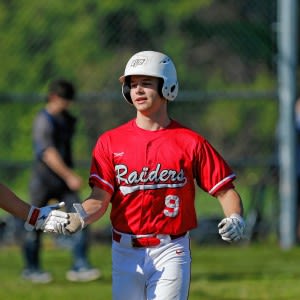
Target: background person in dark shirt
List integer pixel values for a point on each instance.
(53, 178)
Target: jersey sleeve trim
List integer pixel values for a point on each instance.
(221, 183)
(97, 177)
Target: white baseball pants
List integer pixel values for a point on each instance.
(160, 273)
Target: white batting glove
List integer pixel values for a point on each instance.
(232, 228)
(76, 221)
(55, 220)
(45, 217)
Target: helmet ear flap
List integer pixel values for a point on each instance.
(160, 87)
(170, 90)
(126, 89)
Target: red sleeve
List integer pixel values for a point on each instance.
(102, 170)
(214, 174)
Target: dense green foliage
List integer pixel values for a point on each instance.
(224, 52)
(90, 41)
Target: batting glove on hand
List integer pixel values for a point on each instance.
(45, 218)
(76, 221)
(232, 228)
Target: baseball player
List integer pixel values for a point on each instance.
(146, 169)
(36, 218)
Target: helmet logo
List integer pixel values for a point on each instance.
(137, 62)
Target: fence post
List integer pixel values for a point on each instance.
(287, 64)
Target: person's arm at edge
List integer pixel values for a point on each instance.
(11, 203)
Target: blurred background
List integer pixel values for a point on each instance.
(226, 57)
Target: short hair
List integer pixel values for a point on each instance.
(62, 88)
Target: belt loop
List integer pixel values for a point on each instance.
(116, 237)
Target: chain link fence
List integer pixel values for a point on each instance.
(225, 56)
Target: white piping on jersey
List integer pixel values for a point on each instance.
(220, 183)
(130, 189)
(102, 180)
(118, 154)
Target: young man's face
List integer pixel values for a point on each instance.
(144, 93)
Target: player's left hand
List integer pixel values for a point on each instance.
(232, 228)
(45, 218)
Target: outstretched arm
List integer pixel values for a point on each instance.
(96, 204)
(93, 208)
(11, 203)
(36, 218)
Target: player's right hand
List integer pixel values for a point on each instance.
(72, 225)
(76, 221)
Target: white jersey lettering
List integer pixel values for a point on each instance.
(157, 176)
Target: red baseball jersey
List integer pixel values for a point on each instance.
(151, 176)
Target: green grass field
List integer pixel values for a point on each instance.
(230, 272)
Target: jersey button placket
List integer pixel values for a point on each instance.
(144, 207)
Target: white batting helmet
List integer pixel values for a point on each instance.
(151, 63)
